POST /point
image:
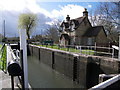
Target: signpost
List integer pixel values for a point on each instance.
(23, 46)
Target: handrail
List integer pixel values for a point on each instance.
(87, 49)
(81, 48)
(13, 55)
(115, 47)
(91, 46)
(106, 83)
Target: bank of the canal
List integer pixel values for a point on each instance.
(42, 76)
(3, 57)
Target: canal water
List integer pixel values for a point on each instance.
(42, 76)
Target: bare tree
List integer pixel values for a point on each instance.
(93, 17)
(107, 15)
(110, 11)
(53, 34)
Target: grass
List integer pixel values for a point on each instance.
(0, 49)
(0, 46)
(3, 58)
(87, 52)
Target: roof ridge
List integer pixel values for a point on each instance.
(97, 26)
(78, 18)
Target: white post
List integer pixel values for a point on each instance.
(112, 53)
(119, 48)
(118, 28)
(23, 46)
(80, 50)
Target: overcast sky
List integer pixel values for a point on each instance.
(47, 12)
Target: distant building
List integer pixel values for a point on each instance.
(79, 31)
(1, 37)
(12, 39)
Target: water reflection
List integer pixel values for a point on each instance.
(42, 76)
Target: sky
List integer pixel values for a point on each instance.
(48, 12)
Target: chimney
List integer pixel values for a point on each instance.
(85, 13)
(67, 18)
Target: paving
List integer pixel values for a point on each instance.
(5, 80)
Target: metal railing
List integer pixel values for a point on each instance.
(116, 48)
(95, 50)
(106, 83)
(86, 50)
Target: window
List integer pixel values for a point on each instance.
(90, 41)
(72, 26)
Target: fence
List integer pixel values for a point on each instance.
(117, 49)
(86, 50)
(98, 51)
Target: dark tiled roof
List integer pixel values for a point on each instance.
(80, 19)
(66, 24)
(66, 36)
(77, 22)
(92, 32)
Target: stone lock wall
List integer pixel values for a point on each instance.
(35, 51)
(92, 71)
(46, 56)
(82, 69)
(109, 66)
(63, 63)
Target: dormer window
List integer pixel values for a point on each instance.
(63, 27)
(72, 25)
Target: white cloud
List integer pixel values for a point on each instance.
(22, 6)
(32, 6)
(15, 5)
(50, 23)
(89, 6)
(12, 8)
(53, 22)
(73, 10)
